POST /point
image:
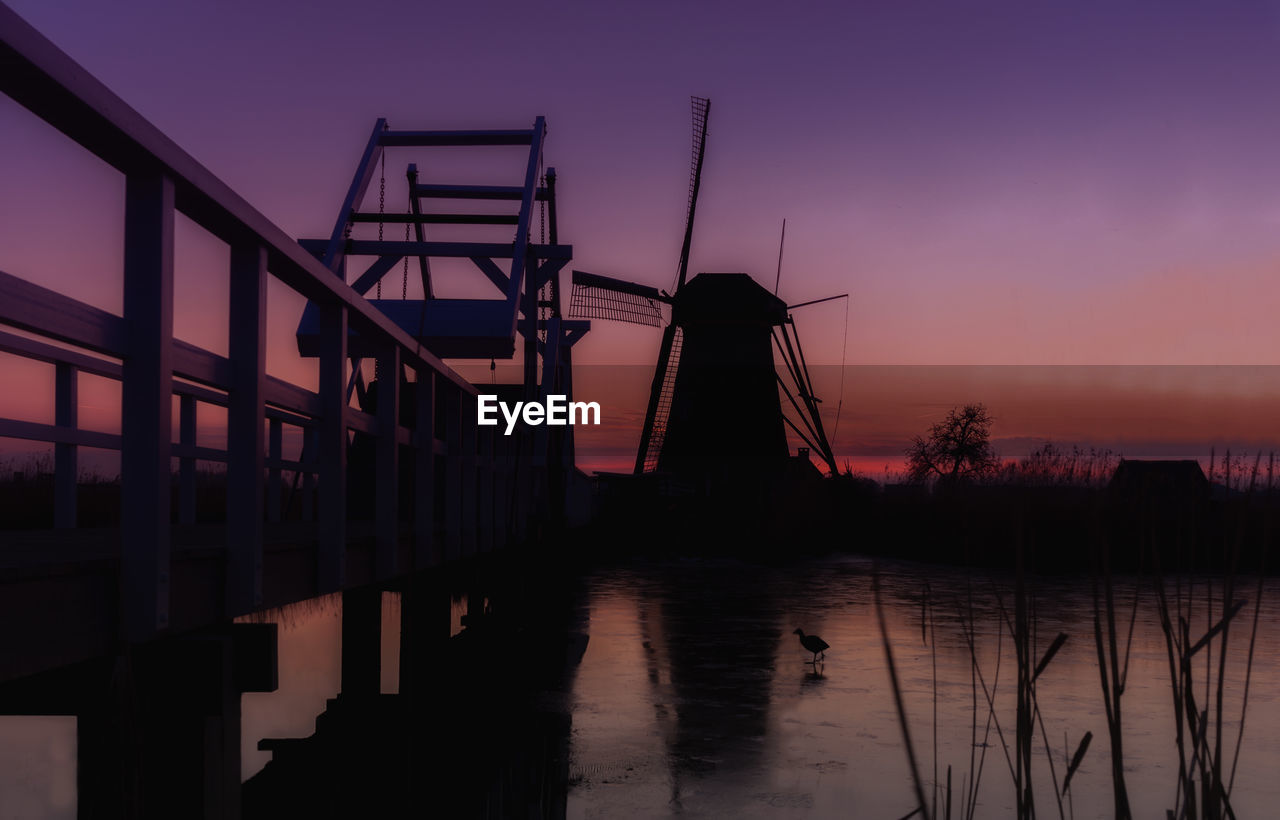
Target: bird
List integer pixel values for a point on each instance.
(813, 644)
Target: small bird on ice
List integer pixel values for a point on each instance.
(813, 644)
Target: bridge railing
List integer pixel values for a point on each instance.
(464, 482)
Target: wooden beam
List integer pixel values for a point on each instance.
(548, 269)
(55, 316)
(526, 215)
(424, 267)
(435, 219)
(461, 139)
(503, 192)
(332, 257)
(491, 271)
(495, 250)
(35, 431)
(380, 268)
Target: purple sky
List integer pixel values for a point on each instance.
(995, 182)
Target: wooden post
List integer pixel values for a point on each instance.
(309, 476)
(275, 451)
(66, 468)
(453, 520)
(361, 641)
(387, 466)
(332, 570)
(485, 473)
(424, 471)
(425, 621)
(529, 306)
(187, 463)
(469, 482)
(246, 409)
(146, 412)
(502, 501)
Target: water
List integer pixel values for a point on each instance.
(694, 698)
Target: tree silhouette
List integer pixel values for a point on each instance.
(957, 448)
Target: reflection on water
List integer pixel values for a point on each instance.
(309, 653)
(37, 766)
(309, 659)
(695, 698)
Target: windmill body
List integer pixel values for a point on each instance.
(715, 415)
(725, 423)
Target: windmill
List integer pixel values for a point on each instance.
(714, 407)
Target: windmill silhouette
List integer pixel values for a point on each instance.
(715, 409)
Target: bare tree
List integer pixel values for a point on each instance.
(958, 447)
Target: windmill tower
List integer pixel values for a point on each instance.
(715, 412)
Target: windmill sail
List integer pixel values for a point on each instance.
(658, 413)
(701, 113)
(603, 297)
(653, 434)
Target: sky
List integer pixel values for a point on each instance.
(1020, 183)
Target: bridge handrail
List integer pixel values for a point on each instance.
(39, 76)
(478, 481)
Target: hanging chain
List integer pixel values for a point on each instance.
(404, 280)
(543, 313)
(382, 206)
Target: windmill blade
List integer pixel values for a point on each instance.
(798, 370)
(701, 113)
(603, 297)
(661, 391)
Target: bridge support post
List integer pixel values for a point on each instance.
(425, 624)
(146, 413)
(487, 484)
(362, 641)
(331, 572)
(66, 468)
(160, 738)
(424, 472)
(275, 482)
(469, 479)
(387, 467)
(453, 489)
(248, 355)
(309, 477)
(187, 463)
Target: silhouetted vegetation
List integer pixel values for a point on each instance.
(1174, 543)
(957, 448)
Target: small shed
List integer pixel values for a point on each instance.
(1181, 478)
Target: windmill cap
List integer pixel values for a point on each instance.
(728, 297)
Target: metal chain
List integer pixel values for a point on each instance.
(543, 314)
(382, 205)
